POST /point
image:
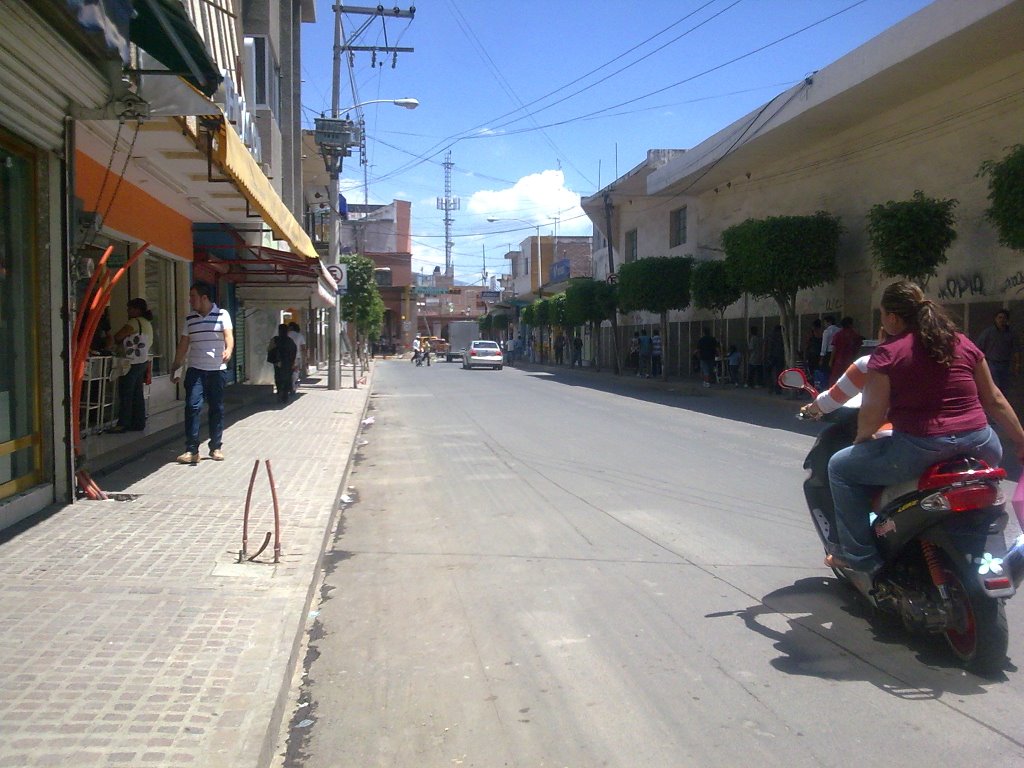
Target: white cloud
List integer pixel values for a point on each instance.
(537, 198)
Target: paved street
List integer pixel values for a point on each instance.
(129, 633)
(553, 568)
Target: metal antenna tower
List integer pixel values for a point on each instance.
(448, 204)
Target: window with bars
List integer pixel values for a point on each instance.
(677, 224)
(631, 247)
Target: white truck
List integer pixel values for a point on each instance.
(460, 333)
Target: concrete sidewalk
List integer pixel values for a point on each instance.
(130, 634)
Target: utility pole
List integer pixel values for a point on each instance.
(448, 204)
(611, 279)
(336, 138)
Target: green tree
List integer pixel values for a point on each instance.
(543, 315)
(1006, 197)
(528, 314)
(500, 323)
(781, 255)
(712, 287)
(589, 301)
(656, 285)
(909, 238)
(485, 323)
(362, 305)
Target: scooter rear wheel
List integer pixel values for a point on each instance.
(980, 635)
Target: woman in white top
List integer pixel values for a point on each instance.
(135, 339)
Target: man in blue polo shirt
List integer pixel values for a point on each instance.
(207, 342)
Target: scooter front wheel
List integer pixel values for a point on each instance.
(979, 635)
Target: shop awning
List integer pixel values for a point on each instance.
(269, 276)
(233, 157)
(163, 29)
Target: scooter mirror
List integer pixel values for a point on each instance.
(793, 378)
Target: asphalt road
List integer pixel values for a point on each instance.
(542, 572)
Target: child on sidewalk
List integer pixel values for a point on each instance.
(734, 365)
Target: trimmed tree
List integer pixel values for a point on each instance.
(589, 301)
(712, 287)
(485, 323)
(779, 256)
(1006, 197)
(656, 285)
(909, 238)
(362, 305)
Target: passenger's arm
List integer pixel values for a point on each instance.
(998, 408)
(873, 407)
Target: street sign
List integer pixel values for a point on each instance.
(340, 275)
(613, 278)
(490, 295)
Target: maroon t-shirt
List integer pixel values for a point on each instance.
(927, 398)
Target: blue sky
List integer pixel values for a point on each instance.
(541, 102)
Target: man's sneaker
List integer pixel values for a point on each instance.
(188, 458)
(217, 454)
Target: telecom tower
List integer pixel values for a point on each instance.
(448, 204)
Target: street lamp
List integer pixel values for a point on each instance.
(336, 137)
(539, 263)
(406, 103)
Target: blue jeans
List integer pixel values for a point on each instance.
(131, 413)
(855, 473)
(200, 385)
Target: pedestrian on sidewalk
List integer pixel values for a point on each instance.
(295, 334)
(644, 370)
(845, 346)
(136, 339)
(577, 350)
(207, 343)
(734, 365)
(282, 353)
(776, 354)
(634, 352)
(1000, 348)
(707, 351)
(825, 362)
(755, 359)
(656, 353)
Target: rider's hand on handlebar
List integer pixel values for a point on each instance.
(810, 411)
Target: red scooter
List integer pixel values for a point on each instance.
(947, 569)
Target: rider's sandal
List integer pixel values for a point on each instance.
(832, 561)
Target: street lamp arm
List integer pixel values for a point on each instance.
(406, 103)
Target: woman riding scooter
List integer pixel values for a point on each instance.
(933, 384)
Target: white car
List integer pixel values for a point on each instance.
(480, 354)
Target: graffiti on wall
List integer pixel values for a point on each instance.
(960, 286)
(1014, 282)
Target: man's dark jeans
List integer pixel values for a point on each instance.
(199, 386)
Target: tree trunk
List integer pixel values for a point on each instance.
(617, 366)
(664, 345)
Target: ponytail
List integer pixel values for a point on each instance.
(933, 326)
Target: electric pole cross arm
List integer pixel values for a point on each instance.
(378, 10)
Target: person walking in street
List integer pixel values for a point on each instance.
(998, 345)
(577, 350)
(136, 339)
(755, 359)
(707, 351)
(656, 353)
(845, 346)
(207, 343)
(281, 354)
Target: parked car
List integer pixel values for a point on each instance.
(480, 354)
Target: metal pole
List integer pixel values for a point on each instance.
(333, 314)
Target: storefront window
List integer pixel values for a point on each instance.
(19, 419)
(160, 298)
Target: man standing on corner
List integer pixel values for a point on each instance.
(207, 343)
(999, 347)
